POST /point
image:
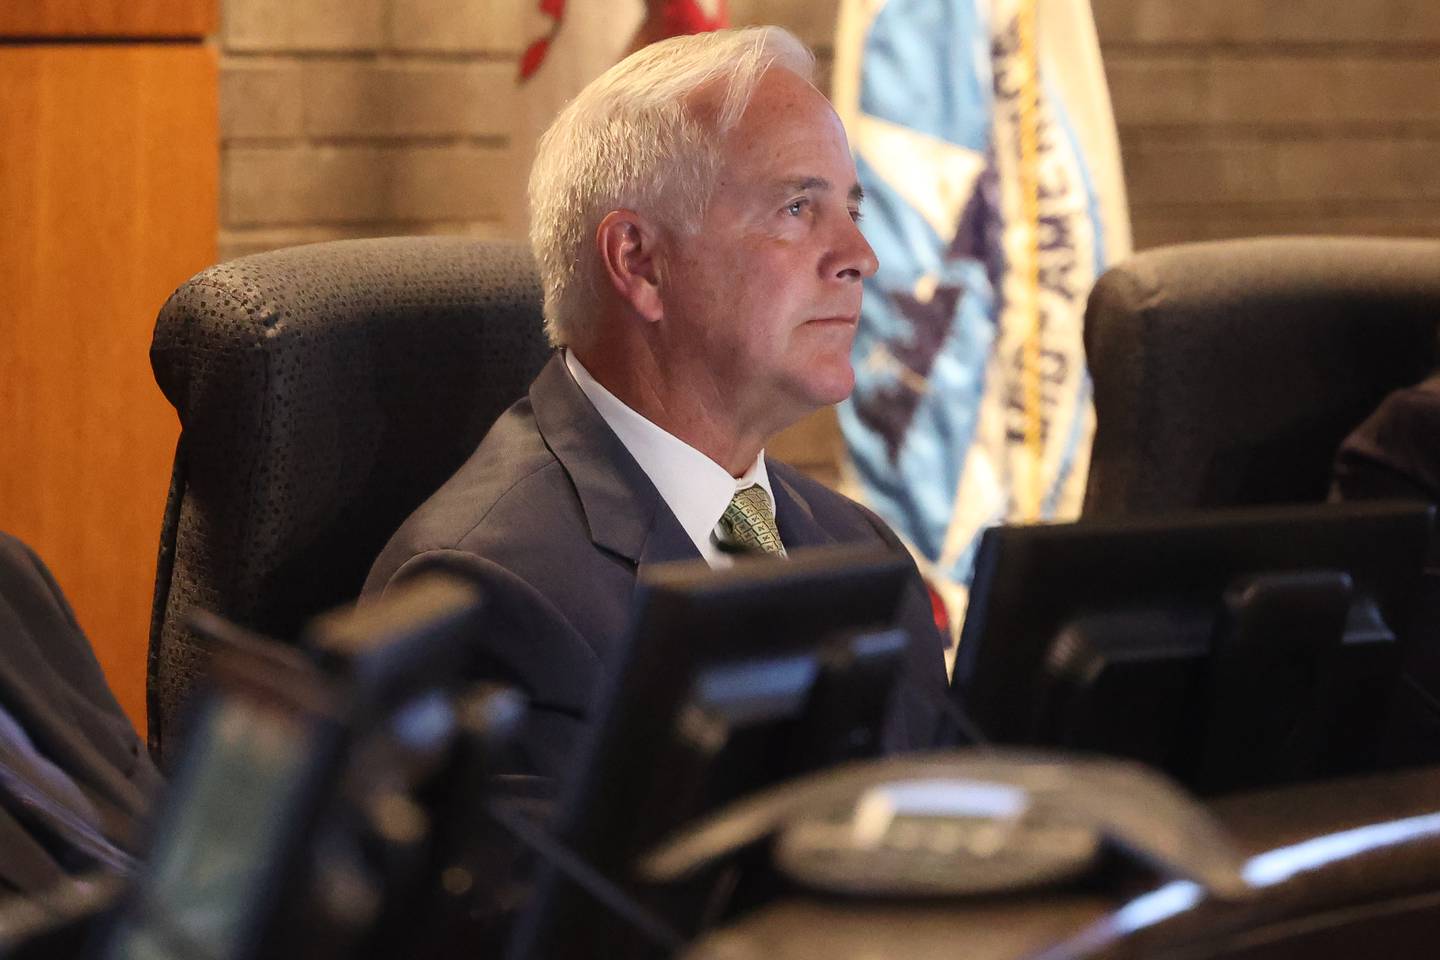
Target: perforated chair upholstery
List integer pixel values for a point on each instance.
(1227, 373)
(323, 392)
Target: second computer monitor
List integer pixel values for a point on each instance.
(1231, 648)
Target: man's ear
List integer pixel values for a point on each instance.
(628, 244)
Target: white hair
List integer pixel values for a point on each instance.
(633, 139)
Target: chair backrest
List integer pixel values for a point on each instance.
(323, 392)
(1227, 373)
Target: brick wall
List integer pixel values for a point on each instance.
(348, 118)
(1237, 117)
(1243, 117)
(345, 118)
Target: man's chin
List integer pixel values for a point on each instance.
(827, 387)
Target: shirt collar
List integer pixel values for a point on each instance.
(695, 488)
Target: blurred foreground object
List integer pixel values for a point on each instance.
(76, 783)
(1335, 871)
(331, 802)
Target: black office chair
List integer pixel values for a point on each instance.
(1227, 373)
(323, 392)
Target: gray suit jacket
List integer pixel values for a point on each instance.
(556, 520)
(75, 780)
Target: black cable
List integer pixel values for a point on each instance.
(586, 877)
(967, 727)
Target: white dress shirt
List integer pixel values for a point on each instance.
(695, 488)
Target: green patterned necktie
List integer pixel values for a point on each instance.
(749, 522)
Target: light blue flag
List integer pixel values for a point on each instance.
(964, 413)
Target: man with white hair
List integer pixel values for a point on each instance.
(694, 217)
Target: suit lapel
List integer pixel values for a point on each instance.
(793, 515)
(624, 511)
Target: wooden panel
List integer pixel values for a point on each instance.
(108, 173)
(107, 18)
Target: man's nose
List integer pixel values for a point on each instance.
(854, 259)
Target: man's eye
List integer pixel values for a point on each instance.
(796, 207)
(856, 214)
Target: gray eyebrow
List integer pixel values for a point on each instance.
(806, 183)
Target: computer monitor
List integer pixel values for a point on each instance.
(1236, 648)
(730, 681)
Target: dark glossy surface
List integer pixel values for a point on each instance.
(1372, 889)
